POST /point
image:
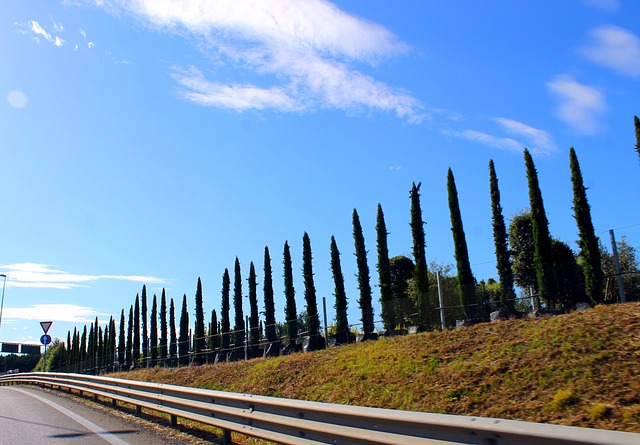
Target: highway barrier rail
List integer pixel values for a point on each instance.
(290, 421)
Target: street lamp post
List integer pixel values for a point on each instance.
(2, 302)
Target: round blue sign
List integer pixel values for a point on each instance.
(45, 339)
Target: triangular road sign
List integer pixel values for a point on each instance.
(46, 325)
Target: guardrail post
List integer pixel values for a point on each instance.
(226, 437)
(174, 420)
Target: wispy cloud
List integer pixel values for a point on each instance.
(615, 48)
(50, 33)
(59, 312)
(486, 139)
(302, 54)
(580, 106)
(538, 141)
(43, 276)
(604, 5)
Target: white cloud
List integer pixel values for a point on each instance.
(604, 5)
(540, 141)
(59, 312)
(490, 140)
(40, 31)
(301, 51)
(36, 275)
(59, 42)
(580, 106)
(615, 48)
(17, 99)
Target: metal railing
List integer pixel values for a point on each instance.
(301, 422)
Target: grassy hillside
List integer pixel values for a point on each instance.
(581, 369)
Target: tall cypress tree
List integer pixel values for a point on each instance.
(340, 305)
(199, 342)
(238, 327)
(112, 342)
(226, 321)
(269, 305)
(153, 332)
(364, 283)
(214, 336)
(164, 329)
(122, 339)
(290, 311)
(589, 245)
(503, 256)
(420, 272)
(183, 336)
(254, 320)
(173, 338)
(384, 271)
(466, 281)
(128, 357)
(542, 256)
(145, 330)
(136, 331)
(313, 321)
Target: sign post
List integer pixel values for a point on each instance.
(45, 339)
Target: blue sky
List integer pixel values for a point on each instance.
(151, 142)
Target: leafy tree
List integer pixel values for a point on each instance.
(629, 270)
(291, 314)
(364, 284)
(465, 277)
(450, 290)
(145, 330)
(199, 342)
(542, 255)
(342, 323)
(136, 330)
(128, 358)
(237, 306)
(269, 304)
(588, 242)
(122, 340)
(521, 242)
(173, 338)
(384, 274)
(226, 323)
(254, 321)
(420, 273)
(313, 321)
(403, 310)
(153, 342)
(503, 256)
(183, 336)
(164, 330)
(570, 276)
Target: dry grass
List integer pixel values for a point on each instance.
(580, 369)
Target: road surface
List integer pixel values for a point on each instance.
(29, 415)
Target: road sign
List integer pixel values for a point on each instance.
(46, 325)
(45, 339)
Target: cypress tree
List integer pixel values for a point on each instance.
(503, 256)
(145, 330)
(290, 311)
(128, 358)
(588, 242)
(83, 344)
(183, 336)
(173, 338)
(340, 305)
(313, 320)
(226, 323)
(91, 341)
(214, 337)
(542, 255)
(112, 341)
(238, 328)
(136, 330)
(199, 342)
(420, 272)
(636, 123)
(364, 283)
(164, 330)
(153, 341)
(466, 281)
(122, 345)
(269, 304)
(70, 349)
(254, 321)
(384, 271)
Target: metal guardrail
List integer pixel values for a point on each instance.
(296, 422)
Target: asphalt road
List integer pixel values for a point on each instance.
(29, 415)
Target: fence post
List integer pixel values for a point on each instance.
(440, 299)
(326, 335)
